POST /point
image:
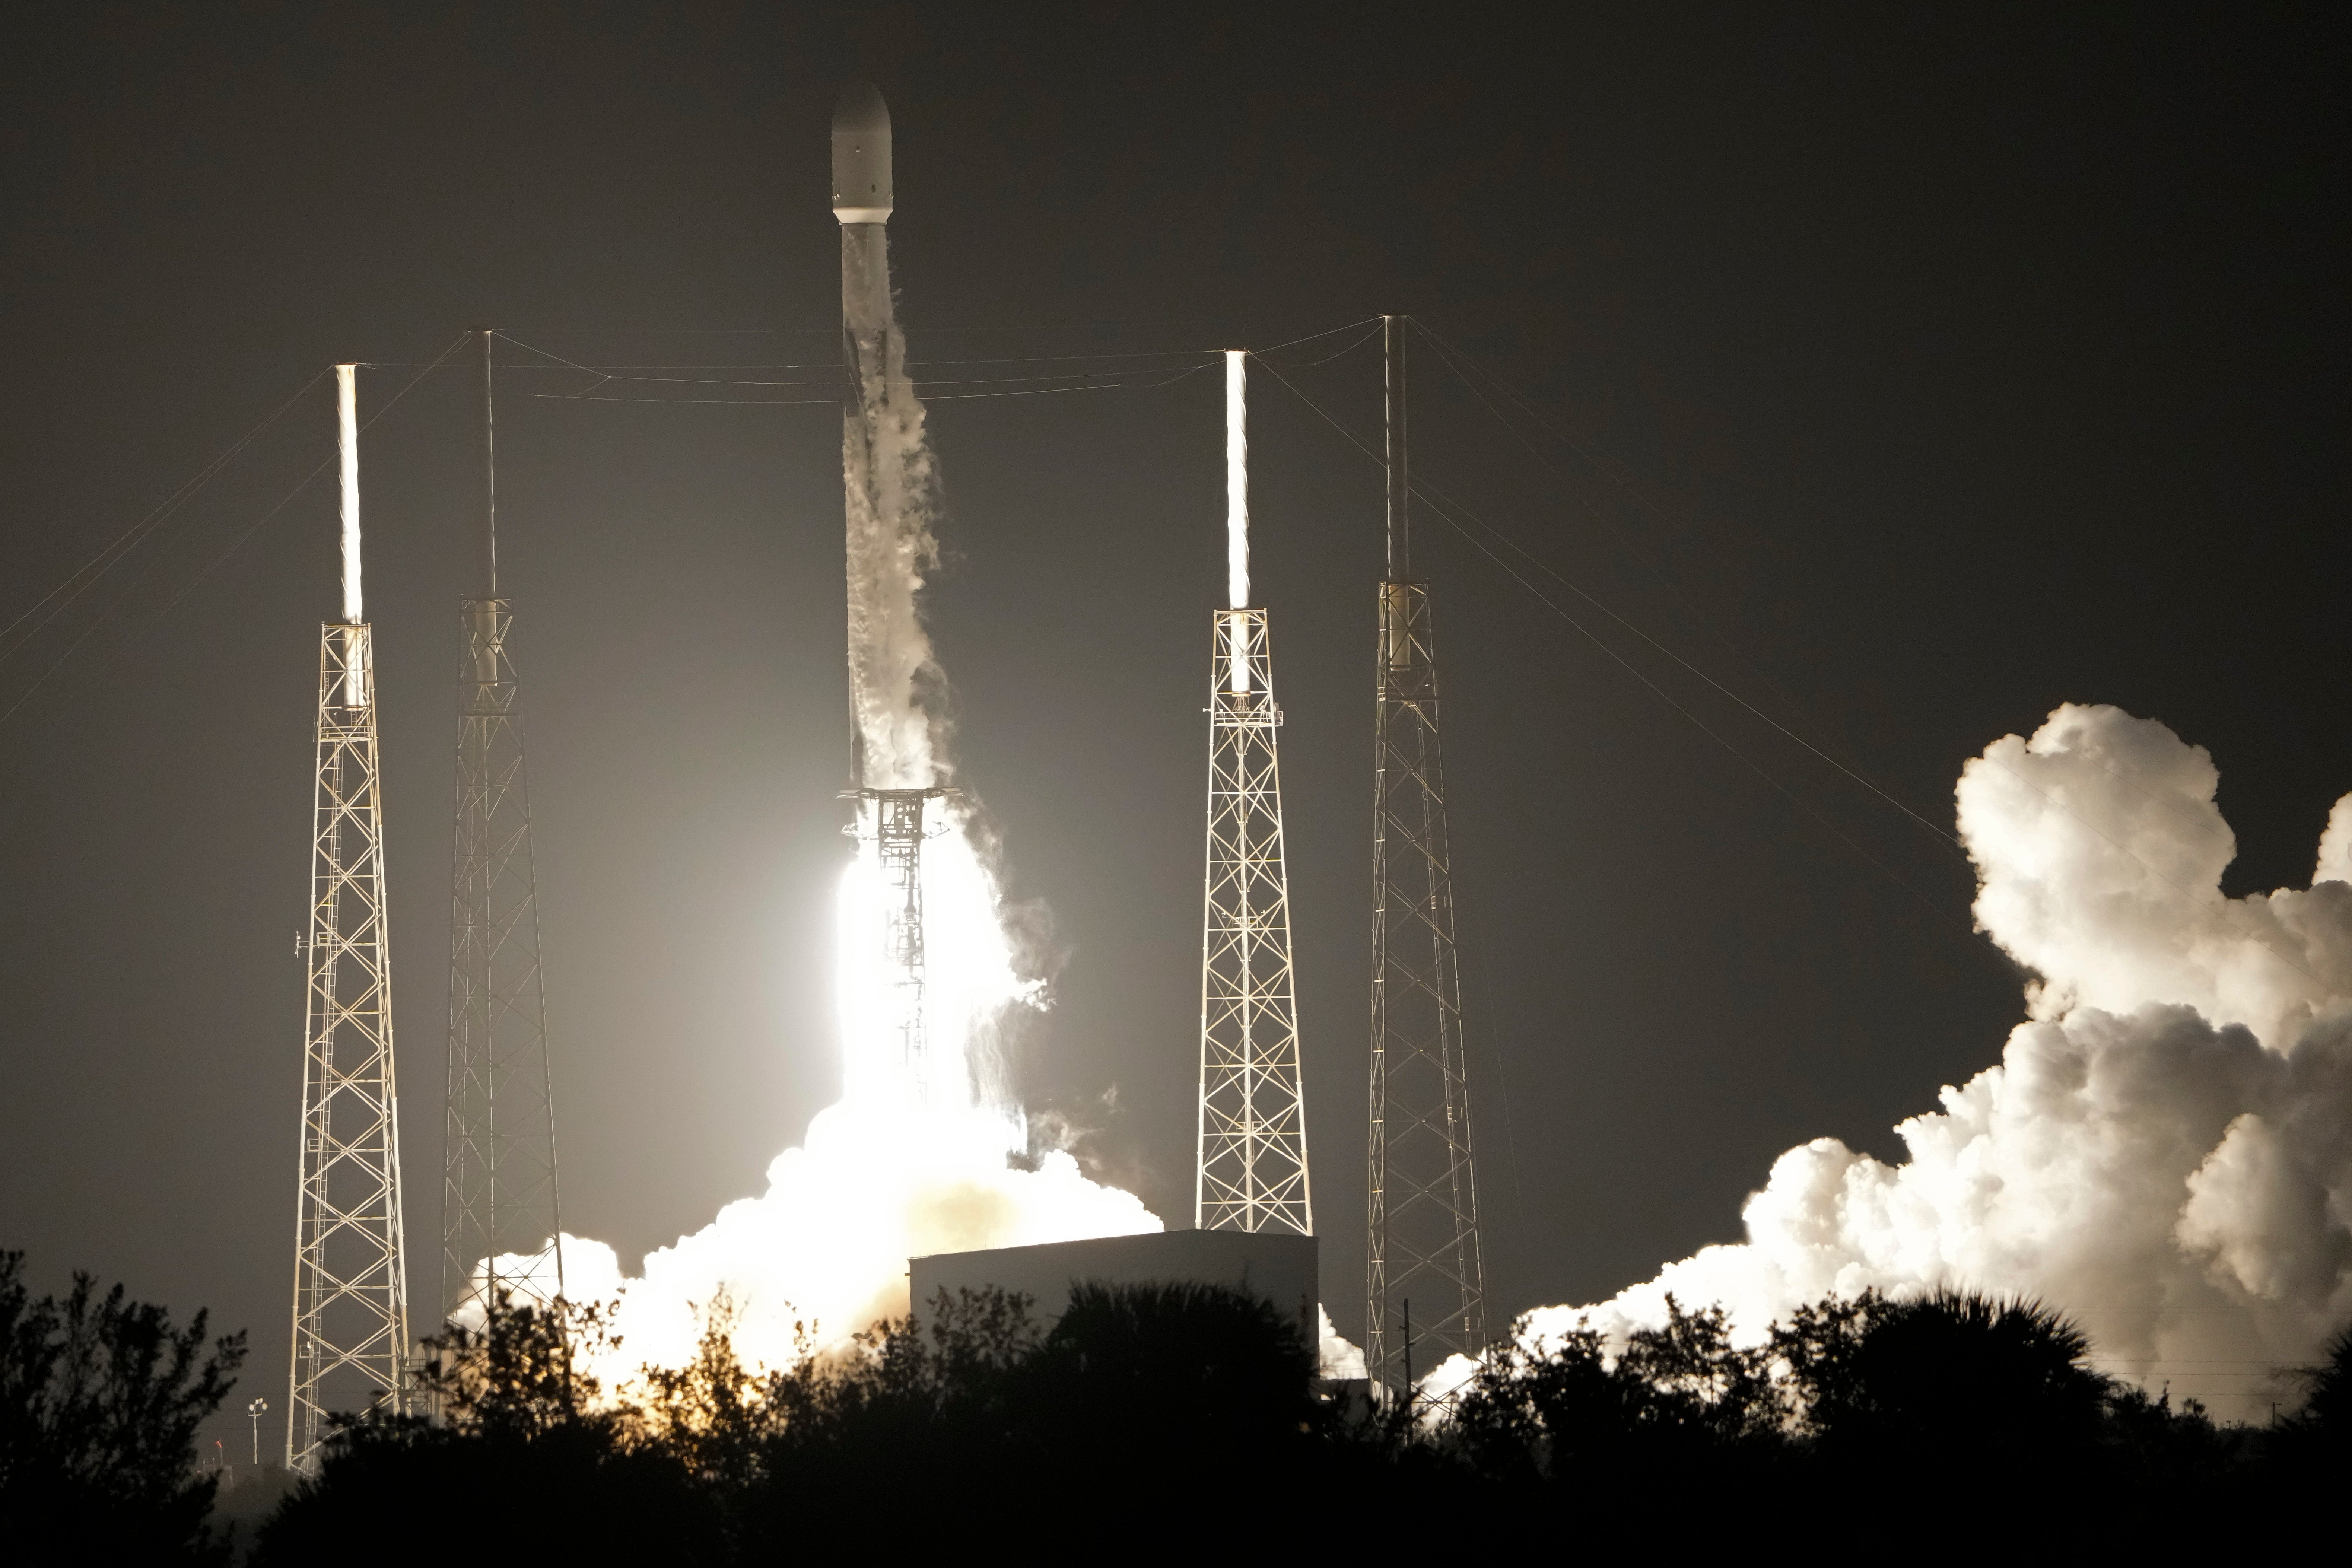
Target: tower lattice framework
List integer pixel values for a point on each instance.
(1252, 1169)
(350, 1301)
(498, 1195)
(899, 831)
(1424, 1244)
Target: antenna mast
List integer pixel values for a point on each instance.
(1252, 1169)
(351, 1292)
(1422, 1207)
(502, 1226)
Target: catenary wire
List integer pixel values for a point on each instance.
(1462, 363)
(105, 559)
(1851, 772)
(1439, 503)
(235, 545)
(1633, 670)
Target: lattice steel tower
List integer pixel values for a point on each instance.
(1252, 1171)
(498, 1193)
(1423, 1190)
(351, 1293)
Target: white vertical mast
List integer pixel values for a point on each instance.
(350, 1345)
(346, 448)
(1237, 580)
(1251, 1169)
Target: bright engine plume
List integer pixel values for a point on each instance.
(914, 1158)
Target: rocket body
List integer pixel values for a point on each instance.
(886, 472)
(861, 155)
(862, 203)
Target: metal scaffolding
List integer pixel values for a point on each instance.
(1252, 1171)
(1422, 1206)
(350, 1299)
(899, 833)
(498, 1193)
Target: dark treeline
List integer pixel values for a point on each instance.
(99, 1402)
(1168, 1418)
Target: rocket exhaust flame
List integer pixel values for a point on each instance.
(914, 1158)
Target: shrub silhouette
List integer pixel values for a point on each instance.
(524, 1457)
(1860, 1419)
(1627, 1438)
(99, 1402)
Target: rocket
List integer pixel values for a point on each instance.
(861, 155)
(861, 201)
(886, 466)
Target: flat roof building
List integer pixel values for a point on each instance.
(1277, 1267)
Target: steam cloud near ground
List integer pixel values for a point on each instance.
(2164, 1151)
(907, 1163)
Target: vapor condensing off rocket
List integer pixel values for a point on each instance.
(886, 466)
(861, 201)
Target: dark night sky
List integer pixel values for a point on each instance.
(1924, 368)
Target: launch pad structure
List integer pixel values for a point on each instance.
(1420, 1183)
(498, 1183)
(1251, 1173)
(350, 1294)
(899, 830)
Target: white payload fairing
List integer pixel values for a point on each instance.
(861, 155)
(861, 201)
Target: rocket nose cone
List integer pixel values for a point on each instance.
(860, 108)
(861, 155)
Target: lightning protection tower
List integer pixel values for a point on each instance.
(1252, 1169)
(1422, 1192)
(498, 1195)
(351, 1296)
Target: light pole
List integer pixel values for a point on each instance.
(255, 1410)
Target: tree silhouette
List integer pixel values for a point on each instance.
(1631, 1432)
(523, 1453)
(1950, 1401)
(99, 1402)
(1864, 1421)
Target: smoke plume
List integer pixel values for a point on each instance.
(904, 1165)
(2165, 1150)
(891, 485)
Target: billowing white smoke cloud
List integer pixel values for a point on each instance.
(2164, 1151)
(907, 1162)
(883, 1175)
(890, 483)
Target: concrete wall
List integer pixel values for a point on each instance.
(1281, 1268)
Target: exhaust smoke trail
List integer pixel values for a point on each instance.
(889, 476)
(2165, 1150)
(916, 1157)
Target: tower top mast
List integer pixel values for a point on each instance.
(1400, 530)
(489, 477)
